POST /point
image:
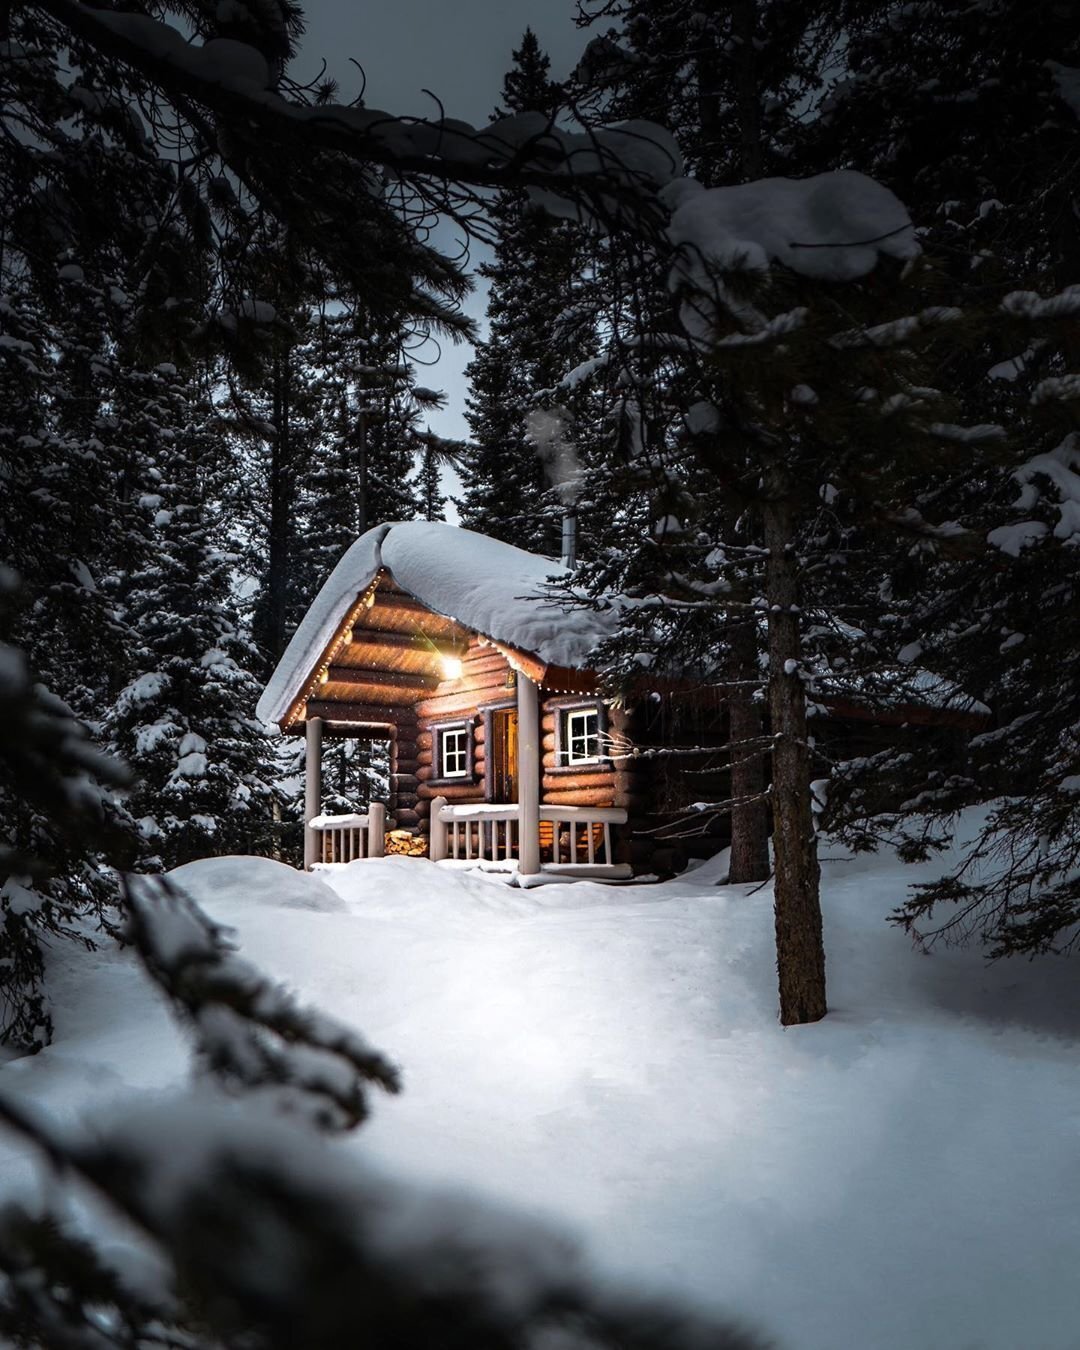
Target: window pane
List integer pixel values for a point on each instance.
(455, 752)
(582, 735)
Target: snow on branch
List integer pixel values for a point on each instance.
(833, 226)
(897, 331)
(1059, 467)
(1031, 305)
(248, 1031)
(623, 164)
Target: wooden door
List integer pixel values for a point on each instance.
(503, 752)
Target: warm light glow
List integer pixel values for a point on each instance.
(451, 667)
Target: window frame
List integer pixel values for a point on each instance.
(564, 713)
(439, 732)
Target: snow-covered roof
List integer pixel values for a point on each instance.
(490, 587)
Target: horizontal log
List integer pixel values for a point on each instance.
(387, 599)
(423, 740)
(404, 782)
(547, 741)
(423, 809)
(453, 792)
(398, 679)
(426, 772)
(406, 817)
(579, 797)
(573, 782)
(351, 712)
(346, 731)
(480, 659)
(444, 706)
(480, 691)
(363, 639)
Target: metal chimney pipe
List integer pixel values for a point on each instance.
(569, 538)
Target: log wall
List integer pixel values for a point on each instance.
(483, 681)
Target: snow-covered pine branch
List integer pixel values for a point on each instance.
(249, 1032)
(248, 1229)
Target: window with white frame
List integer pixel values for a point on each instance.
(581, 735)
(454, 752)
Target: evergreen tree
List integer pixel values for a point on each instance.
(185, 723)
(429, 486)
(967, 113)
(736, 86)
(537, 331)
(81, 282)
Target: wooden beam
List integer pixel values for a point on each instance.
(346, 731)
(313, 732)
(399, 600)
(434, 647)
(352, 712)
(528, 775)
(401, 679)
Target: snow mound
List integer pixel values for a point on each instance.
(610, 1058)
(262, 880)
(493, 588)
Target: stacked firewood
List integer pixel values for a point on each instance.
(406, 843)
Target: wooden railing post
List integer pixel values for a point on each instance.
(437, 846)
(376, 840)
(312, 790)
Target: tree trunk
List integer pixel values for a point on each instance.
(749, 818)
(800, 954)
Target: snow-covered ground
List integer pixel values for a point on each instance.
(904, 1175)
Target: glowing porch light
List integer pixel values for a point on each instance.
(451, 667)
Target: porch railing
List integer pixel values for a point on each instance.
(343, 839)
(479, 833)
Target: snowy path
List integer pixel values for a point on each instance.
(906, 1174)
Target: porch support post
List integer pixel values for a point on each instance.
(376, 830)
(528, 775)
(312, 789)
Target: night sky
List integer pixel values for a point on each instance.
(459, 49)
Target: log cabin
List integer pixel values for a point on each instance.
(463, 653)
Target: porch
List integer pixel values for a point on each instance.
(572, 841)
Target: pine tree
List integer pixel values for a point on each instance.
(185, 724)
(735, 85)
(79, 279)
(967, 113)
(536, 333)
(429, 486)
